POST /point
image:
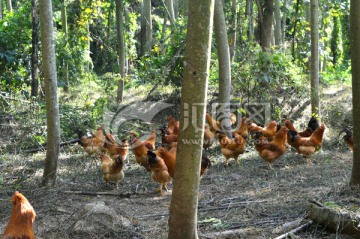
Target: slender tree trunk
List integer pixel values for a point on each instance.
(176, 9)
(224, 67)
(184, 202)
(169, 8)
(283, 32)
(266, 21)
(250, 11)
(9, 5)
(277, 23)
(121, 48)
(51, 97)
(1, 10)
(34, 50)
(233, 27)
(314, 64)
(163, 32)
(88, 57)
(293, 37)
(355, 65)
(65, 67)
(146, 28)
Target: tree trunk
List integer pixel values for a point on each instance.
(284, 22)
(232, 34)
(297, 9)
(250, 13)
(1, 10)
(52, 106)
(88, 57)
(277, 23)
(146, 28)
(163, 32)
(355, 66)
(314, 62)
(65, 67)
(9, 5)
(121, 48)
(169, 8)
(223, 111)
(184, 202)
(266, 22)
(34, 50)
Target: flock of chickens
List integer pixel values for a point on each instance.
(270, 141)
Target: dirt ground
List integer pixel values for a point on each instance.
(247, 196)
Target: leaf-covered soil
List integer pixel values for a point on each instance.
(246, 196)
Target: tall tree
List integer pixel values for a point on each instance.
(224, 67)
(51, 95)
(355, 66)
(1, 10)
(314, 62)
(9, 5)
(265, 11)
(184, 202)
(34, 50)
(146, 28)
(277, 30)
(284, 16)
(65, 67)
(121, 47)
(250, 14)
(232, 34)
(169, 8)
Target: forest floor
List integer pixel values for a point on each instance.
(246, 198)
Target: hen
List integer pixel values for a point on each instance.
(348, 137)
(169, 159)
(159, 171)
(21, 221)
(208, 138)
(95, 143)
(140, 149)
(112, 170)
(166, 137)
(270, 151)
(242, 130)
(307, 145)
(231, 148)
(205, 165)
(312, 126)
(213, 124)
(268, 131)
(113, 148)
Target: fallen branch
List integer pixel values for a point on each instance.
(317, 203)
(122, 195)
(43, 147)
(238, 233)
(295, 230)
(336, 219)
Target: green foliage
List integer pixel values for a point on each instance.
(15, 47)
(336, 41)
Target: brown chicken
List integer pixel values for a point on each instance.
(112, 170)
(231, 148)
(169, 159)
(205, 165)
(268, 131)
(270, 151)
(213, 124)
(159, 171)
(242, 130)
(113, 148)
(209, 138)
(150, 142)
(95, 143)
(21, 221)
(173, 126)
(348, 137)
(167, 138)
(232, 118)
(306, 133)
(307, 145)
(140, 149)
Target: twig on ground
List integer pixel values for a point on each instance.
(295, 230)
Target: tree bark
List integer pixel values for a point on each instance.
(50, 79)
(293, 35)
(121, 48)
(1, 10)
(184, 203)
(233, 27)
(146, 28)
(265, 21)
(283, 32)
(34, 50)
(355, 66)
(314, 63)
(250, 14)
(277, 23)
(169, 8)
(9, 5)
(65, 67)
(223, 111)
